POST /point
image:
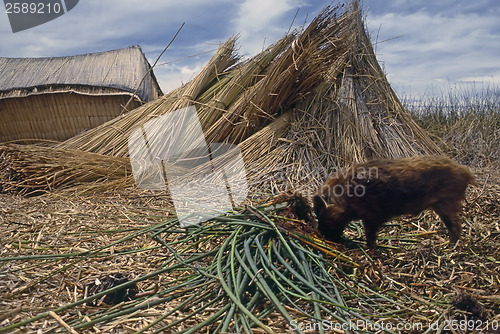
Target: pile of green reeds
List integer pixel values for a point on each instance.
(250, 269)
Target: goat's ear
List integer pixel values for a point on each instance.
(319, 204)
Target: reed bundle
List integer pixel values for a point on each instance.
(352, 116)
(31, 170)
(290, 78)
(111, 138)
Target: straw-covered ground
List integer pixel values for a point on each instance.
(55, 246)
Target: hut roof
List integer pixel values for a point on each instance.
(101, 73)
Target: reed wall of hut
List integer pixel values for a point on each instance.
(57, 116)
(58, 98)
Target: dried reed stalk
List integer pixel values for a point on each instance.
(238, 81)
(32, 170)
(352, 116)
(290, 78)
(111, 138)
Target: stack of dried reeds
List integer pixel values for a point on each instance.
(235, 102)
(31, 170)
(313, 102)
(111, 138)
(352, 116)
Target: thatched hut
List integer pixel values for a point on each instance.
(56, 98)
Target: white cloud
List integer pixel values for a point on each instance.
(262, 22)
(435, 50)
(97, 24)
(172, 75)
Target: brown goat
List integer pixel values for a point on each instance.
(378, 190)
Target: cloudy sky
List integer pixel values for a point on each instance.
(425, 46)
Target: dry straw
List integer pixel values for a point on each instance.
(253, 270)
(111, 137)
(352, 116)
(32, 170)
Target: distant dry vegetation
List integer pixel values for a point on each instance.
(465, 123)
